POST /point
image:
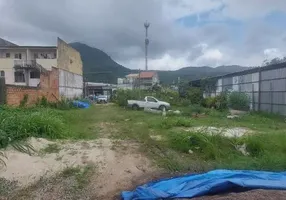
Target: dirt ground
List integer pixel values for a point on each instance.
(117, 165)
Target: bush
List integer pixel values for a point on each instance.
(210, 102)
(203, 144)
(195, 95)
(63, 104)
(20, 123)
(171, 122)
(194, 109)
(238, 101)
(221, 101)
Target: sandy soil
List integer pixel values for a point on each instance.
(117, 163)
(118, 166)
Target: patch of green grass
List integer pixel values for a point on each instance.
(208, 152)
(17, 124)
(51, 148)
(81, 174)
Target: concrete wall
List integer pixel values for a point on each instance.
(68, 58)
(70, 84)
(47, 63)
(49, 88)
(70, 67)
(13, 52)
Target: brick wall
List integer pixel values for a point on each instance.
(49, 87)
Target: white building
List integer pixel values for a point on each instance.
(22, 65)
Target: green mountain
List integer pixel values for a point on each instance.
(99, 67)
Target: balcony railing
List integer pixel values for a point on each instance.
(25, 63)
(28, 64)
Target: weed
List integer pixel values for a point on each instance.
(238, 101)
(20, 123)
(81, 175)
(51, 148)
(24, 101)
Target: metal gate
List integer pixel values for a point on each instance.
(2, 91)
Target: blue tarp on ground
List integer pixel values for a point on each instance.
(213, 182)
(81, 104)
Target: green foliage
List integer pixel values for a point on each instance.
(82, 175)
(238, 101)
(167, 95)
(170, 122)
(203, 144)
(194, 109)
(195, 95)
(210, 102)
(51, 148)
(63, 104)
(24, 101)
(17, 124)
(221, 101)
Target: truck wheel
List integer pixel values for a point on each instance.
(162, 108)
(135, 107)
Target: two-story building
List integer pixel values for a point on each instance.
(24, 65)
(148, 79)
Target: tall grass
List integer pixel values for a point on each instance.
(20, 123)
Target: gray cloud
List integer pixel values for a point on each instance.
(117, 28)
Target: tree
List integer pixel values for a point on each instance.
(274, 61)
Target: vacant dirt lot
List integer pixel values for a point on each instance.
(110, 149)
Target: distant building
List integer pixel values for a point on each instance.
(147, 79)
(27, 65)
(131, 78)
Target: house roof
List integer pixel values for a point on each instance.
(147, 74)
(132, 75)
(28, 47)
(6, 43)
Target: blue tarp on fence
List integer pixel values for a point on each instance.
(81, 104)
(213, 182)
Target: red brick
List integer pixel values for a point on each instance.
(49, 87)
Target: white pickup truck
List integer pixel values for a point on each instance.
(148, 102)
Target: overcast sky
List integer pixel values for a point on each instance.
(182, 32)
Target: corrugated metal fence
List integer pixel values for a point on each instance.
(265, 86)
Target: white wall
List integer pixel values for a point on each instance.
(47, 63)
(70, 84)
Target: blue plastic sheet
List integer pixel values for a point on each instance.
(81, 104)
(213, 182)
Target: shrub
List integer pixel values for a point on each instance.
(221, 101)
(20, 123)
(194, 109)
(195, 95)
(203, 144)
(63, 104)
(238, 101)
(210, 102)
(168, 123)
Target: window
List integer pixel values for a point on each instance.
(7, 55)
(2, 73)
(71, 61)
(150, 99)
(34, 74)
(36, 56)
(18, 56)
(19, 77)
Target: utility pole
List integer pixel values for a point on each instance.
(146, 25)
